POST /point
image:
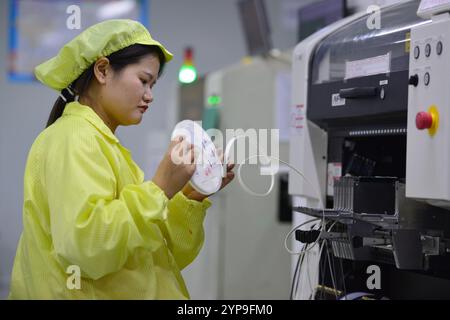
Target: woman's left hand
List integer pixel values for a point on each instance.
(193, 194)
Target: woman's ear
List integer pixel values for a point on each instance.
(102, 69)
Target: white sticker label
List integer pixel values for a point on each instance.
(383, 82)
(336, 100)
(367, 67)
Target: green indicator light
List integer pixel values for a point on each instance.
(187, 74)
(214, 100)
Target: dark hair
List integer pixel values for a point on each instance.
(118, 61)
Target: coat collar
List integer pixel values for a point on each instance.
(76, 108)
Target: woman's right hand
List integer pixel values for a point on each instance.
(176, 167)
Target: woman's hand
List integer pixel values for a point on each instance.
(176, 167)
(193, 194)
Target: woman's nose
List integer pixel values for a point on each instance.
(148, 96)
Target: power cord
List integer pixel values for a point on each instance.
(305, 248)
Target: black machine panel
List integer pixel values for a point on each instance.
(385, 103)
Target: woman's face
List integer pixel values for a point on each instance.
(126, 95)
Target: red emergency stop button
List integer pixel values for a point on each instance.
(424, 120)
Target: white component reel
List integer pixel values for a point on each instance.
(208, 174)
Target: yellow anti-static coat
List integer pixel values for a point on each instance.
(86, 204)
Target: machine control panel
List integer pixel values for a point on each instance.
(428, 139)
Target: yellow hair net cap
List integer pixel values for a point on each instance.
(99, 40)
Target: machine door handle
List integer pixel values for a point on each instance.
(355, 93)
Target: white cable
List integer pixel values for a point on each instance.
(313, 291)
(244, 186)
(322, 225)
(305, 255)
(295, 229)
(272, 182)
(320, 255)
(226, 155)
(332, 273)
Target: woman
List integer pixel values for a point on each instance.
(87, 207)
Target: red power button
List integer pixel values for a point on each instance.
(424, 120)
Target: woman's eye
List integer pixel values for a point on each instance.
(144, 81)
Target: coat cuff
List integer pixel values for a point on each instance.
(181, 203)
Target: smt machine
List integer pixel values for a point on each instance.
(370, 131)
